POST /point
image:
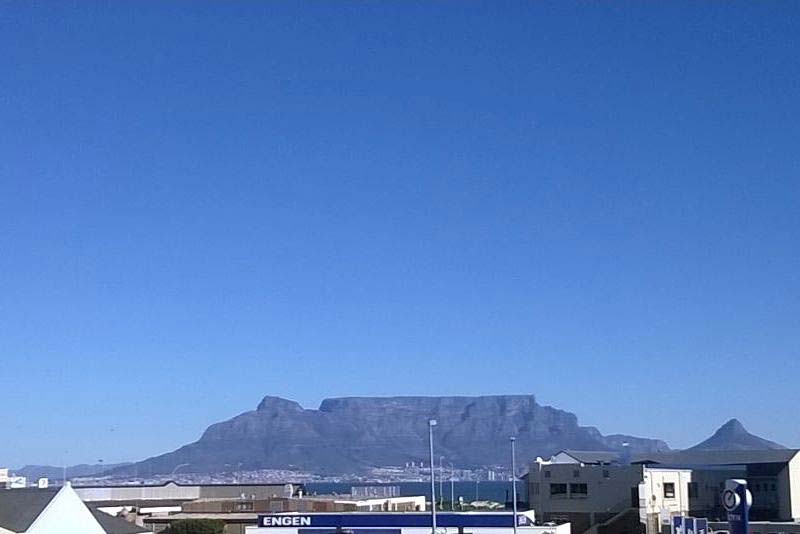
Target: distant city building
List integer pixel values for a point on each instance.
(375, 491)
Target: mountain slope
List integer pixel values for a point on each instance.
(348, 435)
(733, 436)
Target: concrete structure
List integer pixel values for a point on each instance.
(49, 511)
(407, 523)
(587, 491)
(171, 493)
(773, 477)
(600, 495)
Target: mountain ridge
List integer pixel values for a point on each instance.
(354, 434)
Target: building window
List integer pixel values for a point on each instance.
(576, 474)
(669, 490)
(244, 506)
(535, 488)
(606, 474)
(693, 490)
(547, 474)
(578, 491)
(558, 490)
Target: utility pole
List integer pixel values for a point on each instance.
(441, 482)
(431, 424)
(514, 481)
(452, 488)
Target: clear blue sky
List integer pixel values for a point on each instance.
(205, 203)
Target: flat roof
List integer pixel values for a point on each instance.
(733, 457)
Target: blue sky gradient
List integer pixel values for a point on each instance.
(203, 203)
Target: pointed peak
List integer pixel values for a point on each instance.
(733, 425)
(734, 436)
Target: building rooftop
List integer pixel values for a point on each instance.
(19, 508)
(735, 457)
(592, 457)
(116, 525)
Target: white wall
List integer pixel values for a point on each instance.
(170, 491)
(791, 478)
(66, 514)
(655, 501)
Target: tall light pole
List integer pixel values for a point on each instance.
(431, 424)
(514, 481)
(441, 483)
(452, 489)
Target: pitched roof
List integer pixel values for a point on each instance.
(593, 457)
(19, 508)
(730, 457)
(116, 525)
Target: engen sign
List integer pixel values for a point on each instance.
(737, 501)
(285, 521)
(391, 520)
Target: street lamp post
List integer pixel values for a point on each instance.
(431, 424)
(514, 481)
(441, 483)
(452, 489)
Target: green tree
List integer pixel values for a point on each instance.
(196, 526)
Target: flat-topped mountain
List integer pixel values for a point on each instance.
(350, 435)
(733, 436)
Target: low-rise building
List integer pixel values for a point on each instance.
(239, 513)
(173, 492)
(599, 494)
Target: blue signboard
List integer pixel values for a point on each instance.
(677, 525)
(386, 520)
(737, 500)
(689, 525)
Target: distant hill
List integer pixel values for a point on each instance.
(350, 435)
(733, 436)
(33, 472)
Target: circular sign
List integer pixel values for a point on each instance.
(730, 500)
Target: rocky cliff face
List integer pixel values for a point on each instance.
(348, 435)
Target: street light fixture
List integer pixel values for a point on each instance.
(431, 424)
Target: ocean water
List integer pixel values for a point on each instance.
(470, 491)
